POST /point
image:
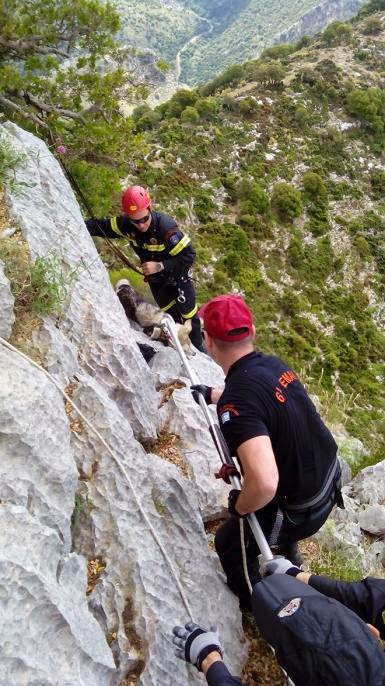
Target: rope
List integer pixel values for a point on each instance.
(119, 464)
(244, 557)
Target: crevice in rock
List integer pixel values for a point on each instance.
(168, 446)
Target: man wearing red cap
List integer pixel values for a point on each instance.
(287, 456)
(165, 252)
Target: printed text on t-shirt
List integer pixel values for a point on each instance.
(283, 382)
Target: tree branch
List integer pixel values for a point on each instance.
(44, 107)
(21, 47)
(28, 115)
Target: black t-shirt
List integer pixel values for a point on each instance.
(263, 397)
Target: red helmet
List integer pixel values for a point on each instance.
(135, 198)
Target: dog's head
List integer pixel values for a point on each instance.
(128, 297)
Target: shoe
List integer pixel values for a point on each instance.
(291, 552)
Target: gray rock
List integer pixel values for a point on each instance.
(7, 300)
(350, 449)
(374, 561)
(372, 519)
(200, 455)
(47, 633)
(37, 469)
(94, 320)
(368, 487)
(346, 472)
(137, 594)
(138, 513)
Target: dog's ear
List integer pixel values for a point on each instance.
(187, 325)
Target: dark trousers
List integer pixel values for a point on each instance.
(228, 542)
(176, 296)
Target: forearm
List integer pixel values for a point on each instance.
(354, 595)
(217, 673)
(250, 499)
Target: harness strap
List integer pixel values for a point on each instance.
(276, 530)
(319, 497)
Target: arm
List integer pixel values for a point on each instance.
(366, 598)
(217, 673)
(260, 474)
(110, 228)
(181, 254)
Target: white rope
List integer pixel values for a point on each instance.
(119, 464)
(244, 556)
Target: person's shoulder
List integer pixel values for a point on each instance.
(163, 221)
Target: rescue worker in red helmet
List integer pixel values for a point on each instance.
(166, 255)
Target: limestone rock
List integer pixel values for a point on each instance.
(47, 632)
(372, 519)
(37, 469)
(138, 595)
(368, 487)
(200, 455)
(94, 320)
(7, 316)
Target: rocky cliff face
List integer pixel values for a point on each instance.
(317, 18)
(138, 518)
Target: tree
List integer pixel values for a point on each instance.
(336, 33)
(270, 73)
(368, 105)
(49, 51)
(206, 107)
(286, 201)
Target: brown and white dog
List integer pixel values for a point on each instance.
(149, 316)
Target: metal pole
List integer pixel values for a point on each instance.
(219, 441)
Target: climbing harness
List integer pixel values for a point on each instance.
(220, 444)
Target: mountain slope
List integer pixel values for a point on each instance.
(256, 26)
(278, 169)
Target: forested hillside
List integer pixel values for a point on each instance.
(227, 32)
(277, 168)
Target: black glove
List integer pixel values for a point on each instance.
(201, 389)
(233, 497)
(194, 643)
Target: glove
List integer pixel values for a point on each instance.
(279, 565)
(194, 643)
(201, 389)
(233, 497)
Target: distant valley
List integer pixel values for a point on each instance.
(200, 38)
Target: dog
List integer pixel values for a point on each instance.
(149, 316)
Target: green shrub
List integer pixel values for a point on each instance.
(10, 159)
(286, 201)
(337, 33)
(50, 285)
(314, 186)
(377, 181)
(190, 115)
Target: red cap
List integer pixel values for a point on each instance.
(227, 318)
